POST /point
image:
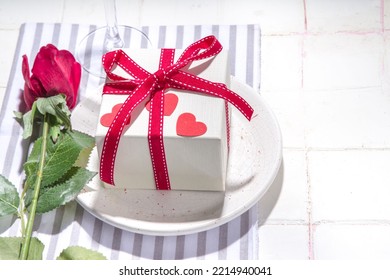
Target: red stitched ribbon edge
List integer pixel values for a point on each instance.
(147, 86)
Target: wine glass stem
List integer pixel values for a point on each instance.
(112, 39)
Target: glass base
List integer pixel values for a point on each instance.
(92, 47)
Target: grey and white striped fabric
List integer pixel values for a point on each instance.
(72, 225)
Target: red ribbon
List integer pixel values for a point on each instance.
(147, 86)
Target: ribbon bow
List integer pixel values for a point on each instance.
(150, 87)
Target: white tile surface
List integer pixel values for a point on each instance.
(352, 242)
(207, 11)
(386, 14)
(92, 12)
(350, 185)
(288, 106)
(2, 92)
(87, 12)
(7, 53)
(287, 200)
(386, 62)
(287, 242)
(343, 15)
(14, 13)
(282, 17)
(281, 62)
(358, 118)
(342, 61)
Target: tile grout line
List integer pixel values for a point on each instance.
(342, 149)
(367, 222)
(374, 31)
(356, 222)
(303, 42)
(309, 208)
(305, 15)
(303, 54)
(382, 15)
(309, 202)
(382, 21)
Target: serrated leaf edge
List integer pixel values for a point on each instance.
(59, 180)
(92, 174)
(20, 240)
(7, 202)
(48, 182)
(82, 248)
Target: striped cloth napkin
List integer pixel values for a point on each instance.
(71, 224)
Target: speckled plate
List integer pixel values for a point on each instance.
(254, 160)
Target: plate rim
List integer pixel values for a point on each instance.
(200, 225)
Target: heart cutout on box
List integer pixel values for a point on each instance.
(187, 126)
(107, 119)
(170, 103)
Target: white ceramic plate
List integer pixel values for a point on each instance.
(254, 160)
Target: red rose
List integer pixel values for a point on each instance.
(54, 72)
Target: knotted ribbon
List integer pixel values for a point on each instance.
(150, 87)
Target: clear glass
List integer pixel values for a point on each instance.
(104, 39)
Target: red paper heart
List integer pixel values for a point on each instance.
(170, 103)
(187, 126)
(107, 119)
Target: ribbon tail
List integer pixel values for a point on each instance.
(156, 126)
(156, 142)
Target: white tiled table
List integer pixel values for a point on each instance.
(325, 71)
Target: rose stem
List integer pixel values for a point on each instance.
(31, 216)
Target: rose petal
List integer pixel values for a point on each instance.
(53, 69)
(76, 77)
(32, 87)
(26, 70)
(53, 72)
(50, 73)
(28, 97)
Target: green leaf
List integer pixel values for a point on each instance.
(28, 121)
(18, 115)
(46, 105)
(86, 142)
(80, 253)
(53, 197)
(56, 106)
(31, 164)
(55, 132)
(63, 113)
(60, 157)
(83, 140)
(9, 197)
(10, 248)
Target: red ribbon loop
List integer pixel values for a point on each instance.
(150, 86)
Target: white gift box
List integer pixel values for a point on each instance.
(194, 162)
